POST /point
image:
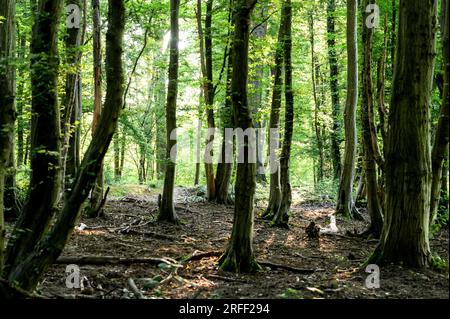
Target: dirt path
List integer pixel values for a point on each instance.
(333, 260)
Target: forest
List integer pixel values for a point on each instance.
(222, 149)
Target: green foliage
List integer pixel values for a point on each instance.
(439, 264)
(442, 216)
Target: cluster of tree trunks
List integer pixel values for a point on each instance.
(408, 169)
(34, 245)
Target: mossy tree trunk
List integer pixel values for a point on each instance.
(408, 161)
(281, 218)
(45, 152)
(440, 144)
(239, 255)
(97, 189)
(367, 113)
(7, 103)
(274, 124)
(28, 270)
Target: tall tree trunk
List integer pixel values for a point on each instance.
(21, 102)
(345, 203)
(408, 161)
(441, 139)
(97, 189)
(45, 136)
(224, 168)
(116, 148)
(208, 91)
(27, 274)
(256, 97)
(282, 216)
(198, 145)
(315, 73)
(72, 101)
(274, 123)
(7, 103)
(373, 202)
(239, 255)
(167, 208)
(334, 86)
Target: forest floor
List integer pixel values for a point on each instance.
(327, 267)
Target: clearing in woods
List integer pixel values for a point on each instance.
(294, 265)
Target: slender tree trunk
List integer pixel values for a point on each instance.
(97, 190)
(7, 104)
(21, 103)
(256, 98)
(373, 203)
(334, 86)
(274, 123)
(116, 147)
(345, 203)
(208, 91)
(441, 139)
(72, 102)
(315, 73)
(198, 141)
(239, 255)
(224, 168)
(45, 136)
(408, 161)
(167, 208)
(282, 216)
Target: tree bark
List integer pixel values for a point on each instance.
(408, 161)
(7, 103)
(239, 255)
(224, 169)
(345, 203)
(167, 209)
(45, 136)
(208, 90)
(29, 270)
(72, 102)
(97, 189)
(282, 216)
(256, 97)
(373, 202)
(274, 123)
(315, 73)
(334, 87)
(441, 139)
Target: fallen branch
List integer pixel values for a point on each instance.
(112, 260)
(286, 267)
(149, 234)
(223, 278)
(196, 255)
(135, 289)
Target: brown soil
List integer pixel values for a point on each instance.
(334, 259)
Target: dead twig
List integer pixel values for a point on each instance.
(135, 289)
(287, 267)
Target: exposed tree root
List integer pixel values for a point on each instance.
(112, 260)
